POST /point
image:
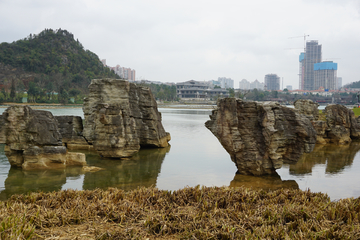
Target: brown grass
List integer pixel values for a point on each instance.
(190, 213)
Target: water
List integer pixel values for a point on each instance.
(195, 157)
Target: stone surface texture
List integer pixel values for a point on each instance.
(121, 117)
(33, 140)
(71, 130)
(261, 137)
(308, 108)
(342, 124)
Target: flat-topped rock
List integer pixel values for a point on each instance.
(121, 117)
(33, 140)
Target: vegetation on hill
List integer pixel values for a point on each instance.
(56, 62)
(353, 85)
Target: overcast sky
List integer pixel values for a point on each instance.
(180, 40)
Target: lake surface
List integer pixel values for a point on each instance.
(195, 157)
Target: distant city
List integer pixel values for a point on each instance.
(315, 76)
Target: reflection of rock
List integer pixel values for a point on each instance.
(33, 140)
(91, 169)
(268, 182)
(140, 170)
(337, 157)
(260, 137)
(308, 108)
(20, 182)
(121, 117)
(71, 128)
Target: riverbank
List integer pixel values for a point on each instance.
(189, 213)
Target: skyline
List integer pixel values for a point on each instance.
(176, 41)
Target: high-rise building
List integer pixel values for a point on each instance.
(289, 87)
(325, 75)
(312, 55)
(256, 84)
(339, 82)
(244, 84)
(226, 82)
(272, 82)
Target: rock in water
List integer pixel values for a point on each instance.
(71, 129)
(121, 117)
(33, 140)
(260, 137)
(308, 108)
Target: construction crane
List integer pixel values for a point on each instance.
(304, 39)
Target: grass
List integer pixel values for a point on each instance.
(189, 213)
(356, 111)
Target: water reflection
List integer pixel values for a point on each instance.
(270, 182)
(19, 181)
(336, 158)
(141, 170)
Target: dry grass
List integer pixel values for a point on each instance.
(190, 213)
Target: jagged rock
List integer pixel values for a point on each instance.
(2, 129)
(260, 137)
(33, 140)
(121, 117)
(308, 108)
(71, 128)
(342, 124)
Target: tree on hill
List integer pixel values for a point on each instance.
(56, 59)
(353, 85)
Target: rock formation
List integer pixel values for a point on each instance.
(260, 137)
(308, 108)
(71, 130)
(338, 124)
(33, 140)
(121, 117)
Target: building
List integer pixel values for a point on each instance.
(289, 87)
(272, 82)
(226, 82)
(313, 54)
(325, 75)
(339, 82)
(244, 84)
(256, 84)
(192, 89)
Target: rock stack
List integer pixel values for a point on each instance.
(33, 140)
(261, 136)
(121, 117)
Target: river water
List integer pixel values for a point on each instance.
(195, 157)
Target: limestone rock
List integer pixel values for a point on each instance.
(2, 129)
(260, 137)
(71, 128)
(33, 140)
(308, 108)
(121, 117)
(342, 124)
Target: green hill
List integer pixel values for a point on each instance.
(353, 85)
(51, 61)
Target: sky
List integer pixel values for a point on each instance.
(181, 40)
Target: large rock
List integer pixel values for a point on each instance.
(121, 117)
(71, 130)
(33, 140)
(260, 137)
(342, 124)
(308, 108)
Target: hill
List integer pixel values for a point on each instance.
(353, 85)
(49, 62)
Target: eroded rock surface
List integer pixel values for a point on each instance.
(121, 117)
(71, 130)
(308, 108)
(33, 140)
(260, 137)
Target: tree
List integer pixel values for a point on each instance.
(13, 90)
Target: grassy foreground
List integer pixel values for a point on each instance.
(189, 213)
